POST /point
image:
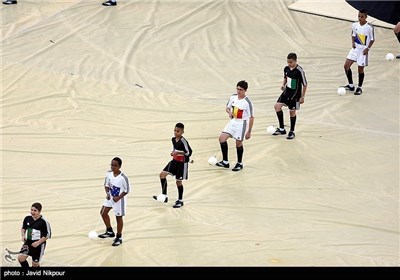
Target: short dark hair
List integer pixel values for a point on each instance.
(363, 11)
(117, 159)
(180, 125)
(37, 205)
(292, 55)
(243, 84)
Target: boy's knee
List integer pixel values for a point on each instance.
(21, 258)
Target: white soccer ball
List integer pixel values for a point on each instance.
(270, 129)
(341, 91)
(212, 160)
(389, 56)
(92, 234)
(161, 197)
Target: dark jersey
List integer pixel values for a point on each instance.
(182, 145)
(36, 229)
(296, 79)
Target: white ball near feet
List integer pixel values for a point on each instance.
(92, 235)
(212, 160)
(341, 91)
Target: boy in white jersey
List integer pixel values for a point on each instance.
(116, 186)
(241, 113)
(362, 39)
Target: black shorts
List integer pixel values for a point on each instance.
(35, 253)
(177, 169)
(290, 101)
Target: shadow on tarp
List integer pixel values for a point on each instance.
(387, 11)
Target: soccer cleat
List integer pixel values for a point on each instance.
(358, 91)
(117, 242)
(291, 135)
(107, 234)
(222, 164)
(109, 3)
(398, 56)
(238, 167)
(9, 2)
(178, 204)
(279, 131)
(349, 87)
(165, 200)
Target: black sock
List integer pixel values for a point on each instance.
(239, 152)
(24, 263)
(164, 185)
(292, 122)
(119, 235)
(349, 76)
(360, 79)
(180, 192)
(224, 150)
(279, 114)
(110, 229)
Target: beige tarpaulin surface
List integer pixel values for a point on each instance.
(82, 83)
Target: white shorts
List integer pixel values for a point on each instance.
(119, 207)
(236, 128)
(357, 55)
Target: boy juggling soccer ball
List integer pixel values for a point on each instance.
(178, 166)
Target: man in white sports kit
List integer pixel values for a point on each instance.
(241, 113)
(362, 39)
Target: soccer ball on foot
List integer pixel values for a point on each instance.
(161, 197)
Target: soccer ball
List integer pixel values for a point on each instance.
(270, 129)
(389, 56)
(92, 234)
(341, 91)
(161, 197)
(212, 160)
